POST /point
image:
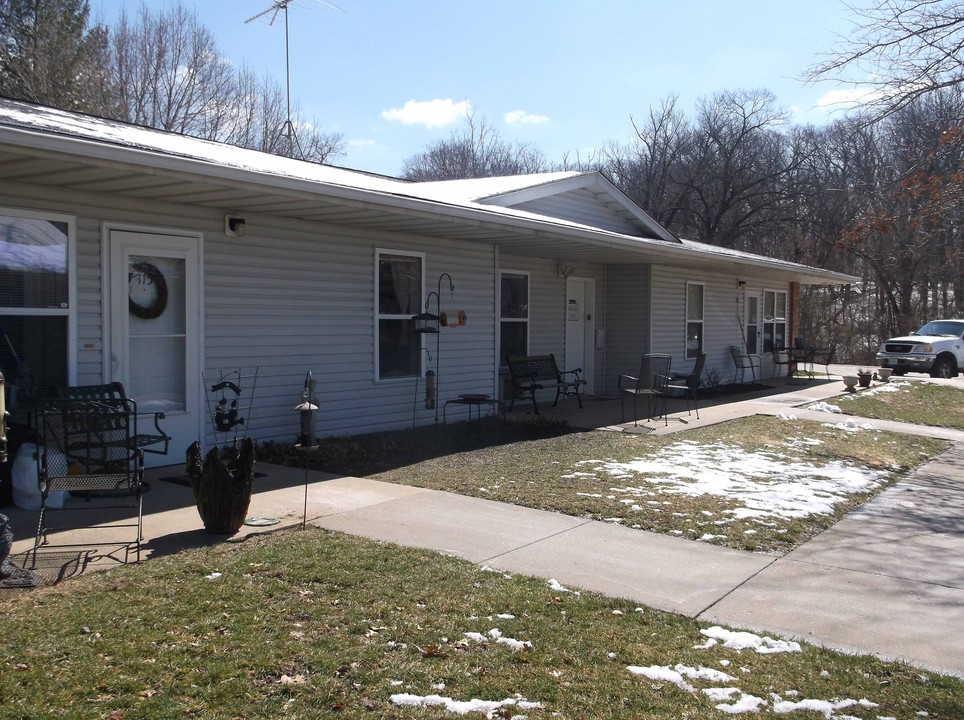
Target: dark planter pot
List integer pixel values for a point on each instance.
(864, 379)
(222, 485)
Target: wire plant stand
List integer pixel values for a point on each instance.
(230, 399)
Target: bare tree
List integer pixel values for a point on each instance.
(169, 71)
(48, 55)
(734, 165)
(477, 150)
(647, 169)
(901, 51)
(172, 75)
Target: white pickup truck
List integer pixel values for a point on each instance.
(937, 348)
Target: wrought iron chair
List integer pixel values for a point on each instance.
(690, 387)
(744, 362)
(156, 442)
(650, 383)
(823, 356)
(87, 447)
(781, 357)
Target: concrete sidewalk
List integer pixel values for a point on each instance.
(888, 580)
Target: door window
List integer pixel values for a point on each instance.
(694, 319)
(157, 329)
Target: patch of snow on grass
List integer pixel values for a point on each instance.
(749, 641)
(462, 707)
(768, 484)
(824, 407)
(556, 586)
(746, 704)
(826, 707)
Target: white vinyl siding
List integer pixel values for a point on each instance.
(579, 206)
(289, 297)
(627, 320)
(724, 319)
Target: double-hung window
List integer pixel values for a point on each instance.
(399, 279)
(694, 319)
(774, 320)
(513, 313)
(35, 297)
(753, 324)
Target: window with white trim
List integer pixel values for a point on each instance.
(774, 320)
(753, 324)
(399, 280)
(694, 319)
(513, 313)
(35, 293)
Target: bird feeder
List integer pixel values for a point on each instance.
(307, 410)
(426, 323)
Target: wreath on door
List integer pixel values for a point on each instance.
(154, 277)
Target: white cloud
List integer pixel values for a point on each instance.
(430, 113)
(361, 143)
(521, 117)
(848, 97)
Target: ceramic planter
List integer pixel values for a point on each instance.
(222, 484)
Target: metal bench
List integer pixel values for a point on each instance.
(530, 373)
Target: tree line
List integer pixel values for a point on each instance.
(876, 193)
(161, 69)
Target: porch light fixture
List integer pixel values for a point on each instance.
(566, 270)
(234, 226)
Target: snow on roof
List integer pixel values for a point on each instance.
(467, 194)
(88, 127)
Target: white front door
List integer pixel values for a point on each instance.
(579, 328)
(155, 331)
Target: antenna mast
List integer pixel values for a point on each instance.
(288, 128)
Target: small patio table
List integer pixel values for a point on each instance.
(799, 358)
(473, 401)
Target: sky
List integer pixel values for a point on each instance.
(565, 76)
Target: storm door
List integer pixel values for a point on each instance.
(155, 331)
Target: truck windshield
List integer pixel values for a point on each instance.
(942, 327)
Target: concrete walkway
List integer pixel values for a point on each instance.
(887, 580)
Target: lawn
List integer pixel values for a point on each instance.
(913, 401)
(762, 484)
(308, 624)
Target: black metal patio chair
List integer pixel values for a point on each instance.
(87, 447)
(650, 384)
(690, 385)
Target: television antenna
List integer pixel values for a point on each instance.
(288, 128)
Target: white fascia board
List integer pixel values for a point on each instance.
(594, 179)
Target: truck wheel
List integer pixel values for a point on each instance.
(944, 367)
